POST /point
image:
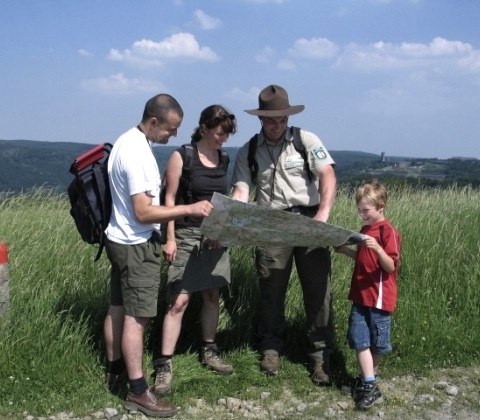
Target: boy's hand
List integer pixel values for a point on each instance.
(371, 243)
(386, 262)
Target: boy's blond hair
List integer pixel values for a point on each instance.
(374, 192)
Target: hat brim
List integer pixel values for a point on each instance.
(294, 109)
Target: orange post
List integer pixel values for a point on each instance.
(4, 279)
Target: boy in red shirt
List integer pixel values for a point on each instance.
(373, 290)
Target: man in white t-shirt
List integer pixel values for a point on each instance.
(134, 249)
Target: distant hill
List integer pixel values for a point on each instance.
(25, 164)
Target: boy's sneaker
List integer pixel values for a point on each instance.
(270, 362)
(163, 376)
(368, 396)
(211, 357)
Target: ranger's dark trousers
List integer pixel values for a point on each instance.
(274, 266)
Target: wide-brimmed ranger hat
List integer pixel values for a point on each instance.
(273, 102)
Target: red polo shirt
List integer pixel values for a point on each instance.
(371, 286)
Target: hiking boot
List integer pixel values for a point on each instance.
(321, 374)
(211, 357)
(149, 404)
(270, 362)
(368, 396)
(163, 376)
(116, 381)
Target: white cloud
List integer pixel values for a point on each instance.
(244, 96)
(416, 95)
(180, 46)
(206, 22)
(266, 55)
(441, 46)
(314, 48)
(439, 55)
(84, 53)
(471, 62)
(119, 84)
(287, 65)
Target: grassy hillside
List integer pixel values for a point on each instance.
(51, 348)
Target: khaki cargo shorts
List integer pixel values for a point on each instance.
(135, 276)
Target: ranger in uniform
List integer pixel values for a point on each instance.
(289, 169)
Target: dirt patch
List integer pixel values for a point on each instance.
(443, 394)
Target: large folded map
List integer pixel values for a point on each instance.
(235, 223)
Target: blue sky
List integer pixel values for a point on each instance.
(394, 76)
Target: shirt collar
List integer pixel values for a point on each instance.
(288, 136)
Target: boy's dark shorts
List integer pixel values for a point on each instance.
(369, 328)
(135, 276)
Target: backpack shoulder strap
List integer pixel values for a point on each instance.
(186, 151)
(224, 158)
(300, 148)
(105, 202)
(297, 140)
(252, 162)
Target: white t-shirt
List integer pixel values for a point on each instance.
(132, 169)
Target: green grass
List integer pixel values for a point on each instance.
(51, 349)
